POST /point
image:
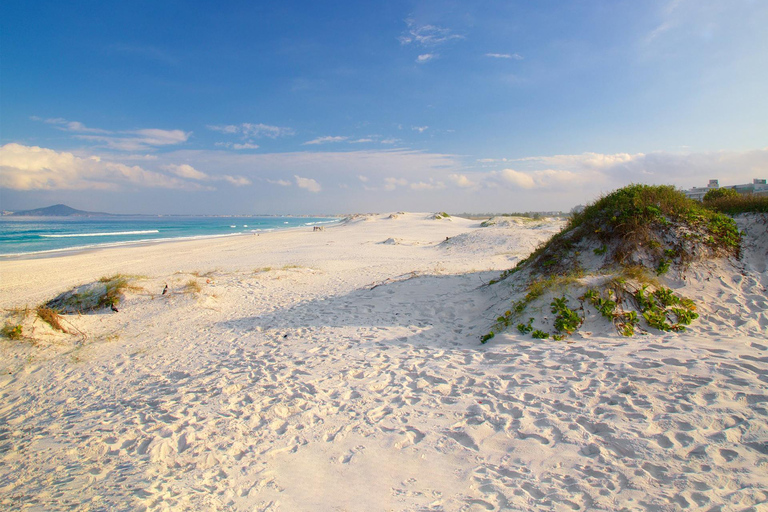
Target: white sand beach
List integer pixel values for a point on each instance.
(342, 370)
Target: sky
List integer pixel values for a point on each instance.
(306, 107)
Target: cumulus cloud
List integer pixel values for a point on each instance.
(593, 173)
(325, 140)
(36, 168)
(462, 181)
(426, 35)
(308, 184)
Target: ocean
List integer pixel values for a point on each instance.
(53, 235)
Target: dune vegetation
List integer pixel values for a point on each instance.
(611, 257)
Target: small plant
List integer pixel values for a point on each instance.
(663, 267)
(525, 328)
(567, 320)
(487, 337)
(627, 322)
(600, 250)
(657, 319)
(12, 331)
(540, 335)
(192, 286)
(51, 317)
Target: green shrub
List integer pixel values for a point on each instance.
(718, 193)
(741, 203)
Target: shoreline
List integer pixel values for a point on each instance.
(53, 253)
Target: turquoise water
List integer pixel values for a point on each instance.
(50, 235)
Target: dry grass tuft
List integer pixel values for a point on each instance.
(51, 317)
(192, 286)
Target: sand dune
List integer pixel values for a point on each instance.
(332, 371)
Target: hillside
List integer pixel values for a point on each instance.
(57, 210)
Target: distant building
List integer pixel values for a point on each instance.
(757, 187)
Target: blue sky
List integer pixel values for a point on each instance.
(333, 107)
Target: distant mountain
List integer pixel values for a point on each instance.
(57, 210)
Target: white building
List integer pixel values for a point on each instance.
(757, 187)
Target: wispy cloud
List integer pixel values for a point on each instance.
(125, 140)
(514, 56)
(326, 140)
(189, 172)
(420, 129)
(392, 183)
(256, 130)
(426, 35)
(237, 146)
(139, 140)
(70, 126)
(144, 52)
(422, 59)
(430, 185)
(282, 183)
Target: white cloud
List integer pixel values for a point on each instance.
(128, 140)
(462, 181)
(238, 181)
(253, 130)
(189, 172)
(236, 146)
(517, 178)
(358, 141)
(282, 183)
(515, 56)
(420, 129)
(36, 168)
(362, 178)
(325, 140)
(393, 183)
(431, 185)
(308, 184)
(72, 126)
(426, 35)
(421, 59)
(186, 171)
(390, 141)
(139, 140)
(597, 172)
